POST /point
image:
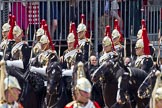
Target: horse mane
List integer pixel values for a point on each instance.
(136, 72)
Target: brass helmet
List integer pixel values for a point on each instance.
(115, 34)
(11, 82)
(139, 34)
(40, 32)
(106, 41)
(81, 27)
(158, 94)
(17, 31)
(84, 85)
(44, 39)
(6, 27)
(139, 44)
(71, 37)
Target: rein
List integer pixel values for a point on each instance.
(50, 97)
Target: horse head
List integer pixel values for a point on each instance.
(54, 73)
(123, 85)
(128, 83)
(146, 88)
(106, 68)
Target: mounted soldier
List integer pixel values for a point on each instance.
(139, 36)
(144, 60)
(20, 52)
(5, 30)
(68, 58)
(117, 37)
(38, 76)
(85, 44)
(108, 49)
(43, 58)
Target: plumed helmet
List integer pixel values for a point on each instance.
(139, 44)
(115, 34)
(84, 85)
(158, 94)
(81, 27)
(6, 27)
(17, 31)
(106, 41)
(40, 32)
(44, 39)
(11, 82)
(139, 34)
(71, 37)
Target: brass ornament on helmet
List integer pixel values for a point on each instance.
(106, 41)
(17, 31)
(81, 27)
(40, 32)
(44, 39)
(84, 85)
(139, 44)
(115, 34)
(139, 34)
(11, 82)
(6, 27)
(71, 37)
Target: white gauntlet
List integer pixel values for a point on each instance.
(39, 70)
(15, 63)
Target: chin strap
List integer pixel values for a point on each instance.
(15, 63)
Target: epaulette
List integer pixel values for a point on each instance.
(70, 104)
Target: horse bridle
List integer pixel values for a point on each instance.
(56, 92)
(50, 96)
(148, 86)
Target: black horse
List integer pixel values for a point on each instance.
(128, 84)
(58, 93)
(106, 73)
(147, 86)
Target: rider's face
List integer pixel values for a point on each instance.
(139, 51)
(81, 35)
(70, 45)
(12, 94)
(107, 48)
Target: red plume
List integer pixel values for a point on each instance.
(43, 22)
(70, 27)
(83, 21)
(108, 33)
(10, 19)
(116, 26)
(73, 30)
(146, 42)
(45, 27)
(10, 34)
(143, 23)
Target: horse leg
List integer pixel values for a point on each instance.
(109, 94)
